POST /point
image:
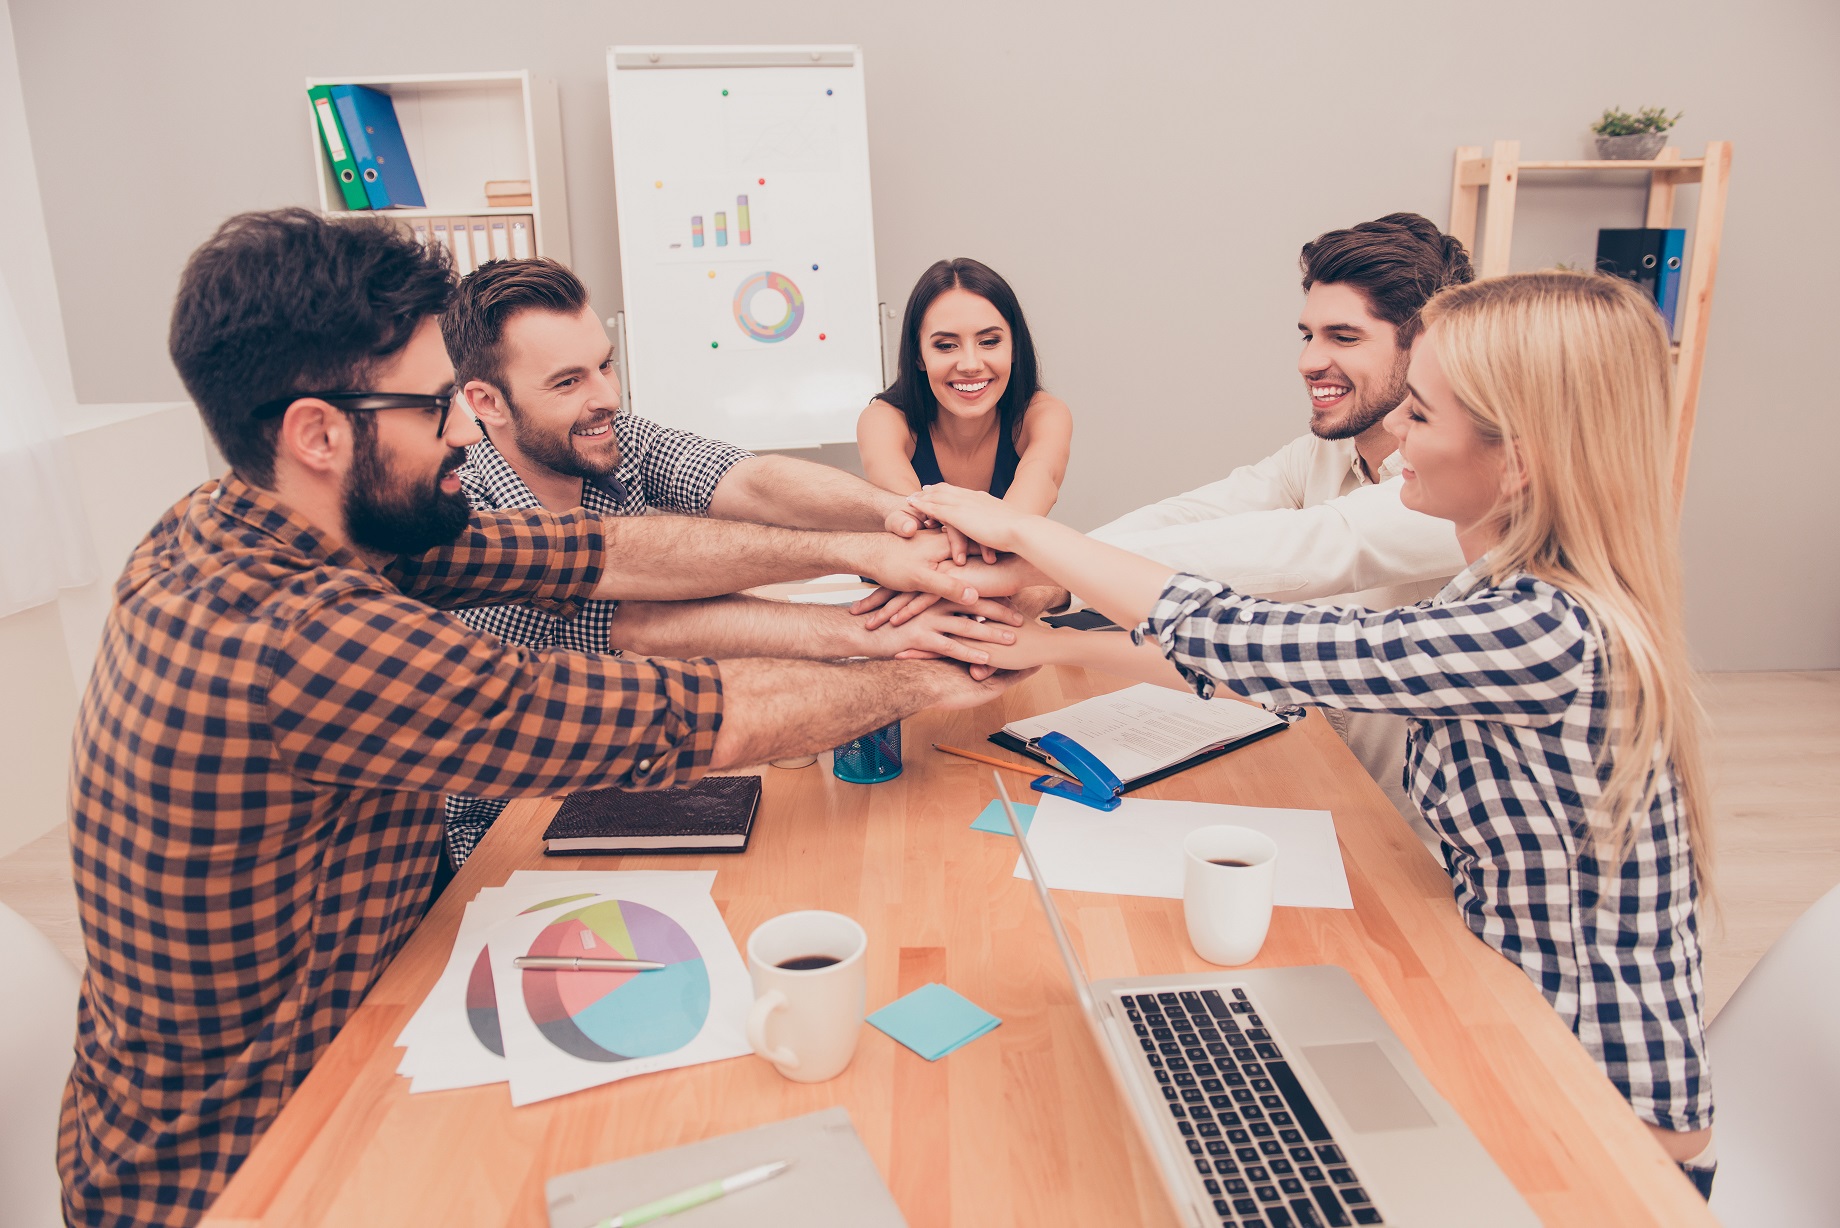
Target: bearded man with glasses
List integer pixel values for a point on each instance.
(281, 698)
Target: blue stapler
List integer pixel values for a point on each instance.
(1098, 788)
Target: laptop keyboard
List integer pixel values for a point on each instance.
(1263, 1153)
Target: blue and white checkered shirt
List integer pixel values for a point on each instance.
(671, 470)
(1504, 684)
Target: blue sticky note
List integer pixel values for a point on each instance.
(933, 1021)
(992, 819)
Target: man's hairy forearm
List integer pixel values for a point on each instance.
(787, 491)
(1039, 599)
(773, 709)
(735, 626)
(675, 558)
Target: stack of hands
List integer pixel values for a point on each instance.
(975, 601)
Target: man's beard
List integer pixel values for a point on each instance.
(557, 454)
(390, 515)
(1370, 408)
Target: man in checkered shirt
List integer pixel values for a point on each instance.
(536, 368)
(281, 699)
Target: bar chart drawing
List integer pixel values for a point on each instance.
(718, 221)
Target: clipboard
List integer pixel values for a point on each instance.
(1034, 749)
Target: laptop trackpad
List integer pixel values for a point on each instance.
(1366, 1088)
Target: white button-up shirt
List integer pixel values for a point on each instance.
(1307, 523)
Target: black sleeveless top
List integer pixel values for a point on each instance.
(926, 464)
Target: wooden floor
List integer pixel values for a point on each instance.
(1775, 765)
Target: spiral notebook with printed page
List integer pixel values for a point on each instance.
(833, 1182)
(1146, 732)
(715, 815)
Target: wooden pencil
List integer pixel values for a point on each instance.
(1032, 769)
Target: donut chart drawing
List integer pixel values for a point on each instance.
(768, 286)
(618, 1016)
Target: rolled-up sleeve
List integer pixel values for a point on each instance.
(533, 558)
(375, 690)
(1515, 654)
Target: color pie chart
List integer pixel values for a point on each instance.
(618, 1016)
(482, 996)
(769, 307)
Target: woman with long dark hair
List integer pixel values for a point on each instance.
(966, 406)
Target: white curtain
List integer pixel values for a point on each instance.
(44, 539)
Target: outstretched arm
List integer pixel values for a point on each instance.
(1043, 447)
(773, 709)
(801, 494)
(1364, 539)
(672, 558)
(1122, 585)
(738, 626)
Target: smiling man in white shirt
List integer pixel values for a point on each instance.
(1321, 518)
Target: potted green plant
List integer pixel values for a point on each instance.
(1621, 135)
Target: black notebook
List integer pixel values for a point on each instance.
(715, 815)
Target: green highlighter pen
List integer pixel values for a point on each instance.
(695, 1196)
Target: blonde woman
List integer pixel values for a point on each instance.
(1554, 744)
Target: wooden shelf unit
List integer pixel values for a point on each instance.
(463, 129)
(1500, 173)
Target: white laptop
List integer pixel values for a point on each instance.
(1279, 1098)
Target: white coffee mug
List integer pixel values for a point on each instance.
(813, 1013)
(1226, 891)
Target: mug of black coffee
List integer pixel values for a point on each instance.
(811, 991)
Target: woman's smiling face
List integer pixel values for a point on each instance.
(1451, 471)
(965, 348)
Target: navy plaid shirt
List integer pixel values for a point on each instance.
(671, 470)
(1509, 711)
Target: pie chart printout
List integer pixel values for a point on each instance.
(617, 1016)
(482, 997)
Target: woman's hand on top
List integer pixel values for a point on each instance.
(981, 517)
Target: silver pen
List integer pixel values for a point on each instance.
(583, 963)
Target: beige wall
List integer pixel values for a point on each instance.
(1143, 173)
(130, 461)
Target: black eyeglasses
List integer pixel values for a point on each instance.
(363, 401)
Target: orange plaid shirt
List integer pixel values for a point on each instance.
(256, 805)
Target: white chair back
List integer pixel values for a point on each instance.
(38, 1020)
(1775, 1052)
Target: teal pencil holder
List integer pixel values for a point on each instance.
(870, 759)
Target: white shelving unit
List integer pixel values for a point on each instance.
(463, 129)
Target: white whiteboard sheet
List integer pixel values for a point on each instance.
(766, 333)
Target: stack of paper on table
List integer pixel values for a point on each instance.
(549, 1032)
(1137, 848)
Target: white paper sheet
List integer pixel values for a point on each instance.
(1137, 848)
(693, 1011)
(443, 1049)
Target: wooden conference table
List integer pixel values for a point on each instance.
(1021, 1126)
